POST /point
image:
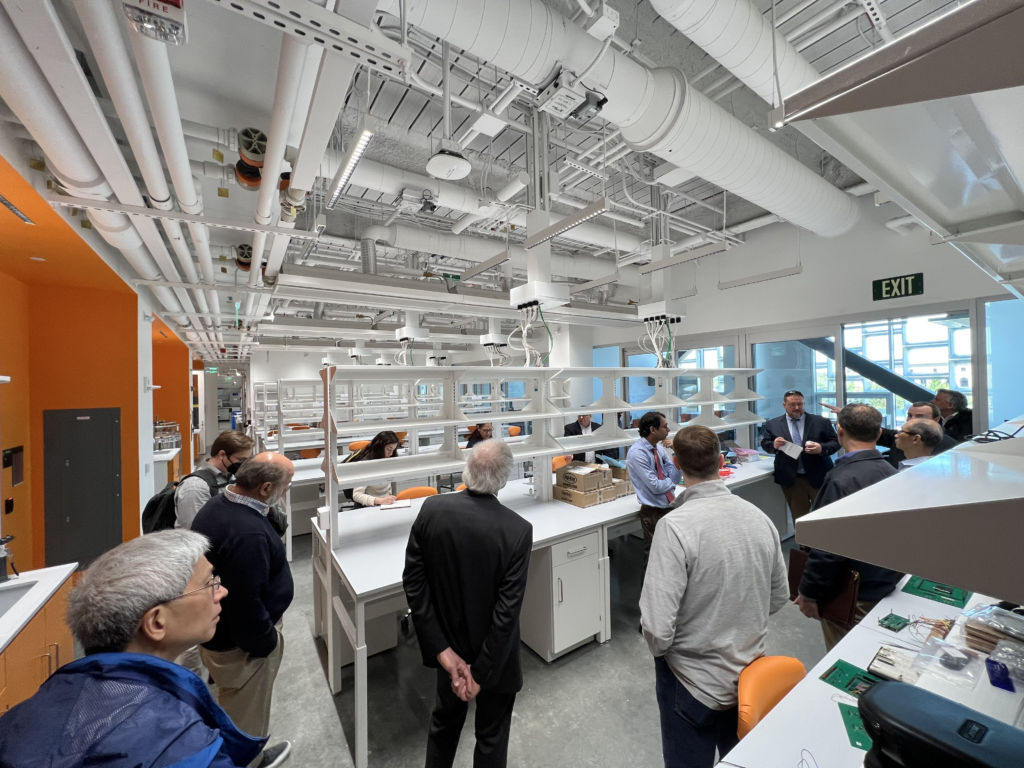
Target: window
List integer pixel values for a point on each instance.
(640, 387)
(1004, 328)
(805, 365)
(893, 363)
(706, 357)
(606, 357)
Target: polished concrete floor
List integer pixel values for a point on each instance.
(592, 707)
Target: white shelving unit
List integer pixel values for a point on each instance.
(366, 399)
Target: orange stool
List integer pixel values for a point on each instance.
(358, 445)
(560, 461)
(416, 492)
(762, 685)
(462, 487)
(311, 453)
(272, 433)
(515, 431)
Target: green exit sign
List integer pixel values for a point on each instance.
(898, 287)
(451, 276)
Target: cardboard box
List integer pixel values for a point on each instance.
(583, 477)
(622, 487)
(611, 493)
(577, 498)
(619, 473)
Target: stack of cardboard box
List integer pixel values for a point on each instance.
(584, 485)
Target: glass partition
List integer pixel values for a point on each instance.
(805, 365)
(606, 357)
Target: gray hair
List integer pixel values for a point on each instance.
(488, 467)
(957, 400)
(929, 432)
(254, 473)
(105, 609)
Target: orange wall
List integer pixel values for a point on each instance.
(14, 413)
(84, 354)
(173, 401)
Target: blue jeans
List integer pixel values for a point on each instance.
(690, 731)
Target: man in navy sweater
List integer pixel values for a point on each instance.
(249, 557)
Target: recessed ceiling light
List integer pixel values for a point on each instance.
(36, 258)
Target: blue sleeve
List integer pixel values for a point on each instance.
(642, 472)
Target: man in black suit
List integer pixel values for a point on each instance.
(585, 426)
(801, 477)
(957, 418)
(465, 577)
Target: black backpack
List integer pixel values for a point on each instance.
(160, 513)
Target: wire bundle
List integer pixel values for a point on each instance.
(404, 355)
(529, 317)
(658, 341)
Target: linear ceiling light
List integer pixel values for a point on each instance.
(612, 278)
(14, 209)
(572, 164)
(364, 132)
(501, 258)
(563, 226)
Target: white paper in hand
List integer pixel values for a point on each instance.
(400, 504)
(791, 449)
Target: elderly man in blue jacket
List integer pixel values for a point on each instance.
(127, 704)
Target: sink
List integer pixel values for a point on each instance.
(12, 592)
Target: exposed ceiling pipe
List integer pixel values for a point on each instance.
(26, 90)
(289, 74)
(518, 183)
(654, 108)
(157, 82)
(101, 28)
(479, 249)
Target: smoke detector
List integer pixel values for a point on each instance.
(449, 163)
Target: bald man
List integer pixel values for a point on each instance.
(245, 653)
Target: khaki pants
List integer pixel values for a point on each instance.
(192, 661)
(245, 684)
(800, 496)
(834, 633)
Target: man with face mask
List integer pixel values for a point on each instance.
(245, 653)
(227, 453)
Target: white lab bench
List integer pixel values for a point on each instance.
(807, 725)
(161, 462)
(361, 579)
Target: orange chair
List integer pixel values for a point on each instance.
(311, 453)
(272, 433)
(560, 461)
(515, 431)
(416, 492)
(762, 685)
(401, 437)
(462, 487)
(358, 445)
(291, 426)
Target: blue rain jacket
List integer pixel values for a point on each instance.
(123, 710)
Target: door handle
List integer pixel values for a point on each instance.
(559, 590)
(56, 647)
(49, 663)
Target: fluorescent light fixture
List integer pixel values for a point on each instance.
(501, 258)
(572, 164)
(786, 272)
(364, 132)
(684, 257)
(612, 278)
(563, 226)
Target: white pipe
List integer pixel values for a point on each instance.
(101, 28)
(654, 109)
(157, 82)
(289, 75)
(518, 183)
(27, 92)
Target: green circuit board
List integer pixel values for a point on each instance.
(940, 593)
(893, 623)
(855, 730)
(849, 679)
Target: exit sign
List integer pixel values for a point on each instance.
(898, 287)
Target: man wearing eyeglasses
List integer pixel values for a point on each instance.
(919, 411)
(801, 477)
(245, 653)
(126, 702)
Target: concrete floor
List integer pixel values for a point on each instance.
(593, 707)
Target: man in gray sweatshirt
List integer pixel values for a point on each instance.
(716, 573)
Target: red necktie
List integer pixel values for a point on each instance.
(661, 475)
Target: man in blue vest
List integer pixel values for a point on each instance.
(127, 704)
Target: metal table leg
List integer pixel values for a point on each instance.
(604, 564)
(288, 517)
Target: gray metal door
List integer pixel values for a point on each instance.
(82, 483)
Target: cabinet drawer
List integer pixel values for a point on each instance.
(574, 549)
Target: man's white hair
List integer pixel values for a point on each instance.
(488, 467)
(106, 607)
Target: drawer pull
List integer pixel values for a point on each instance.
(576, 552)
(559, 590)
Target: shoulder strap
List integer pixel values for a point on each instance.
(210, 478)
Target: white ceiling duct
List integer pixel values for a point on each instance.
(654, 109)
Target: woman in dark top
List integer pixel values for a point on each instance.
(383, 446)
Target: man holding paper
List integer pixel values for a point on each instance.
(803, 445)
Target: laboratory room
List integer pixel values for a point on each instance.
(540, 383)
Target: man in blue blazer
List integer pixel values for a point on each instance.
(801, 477)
